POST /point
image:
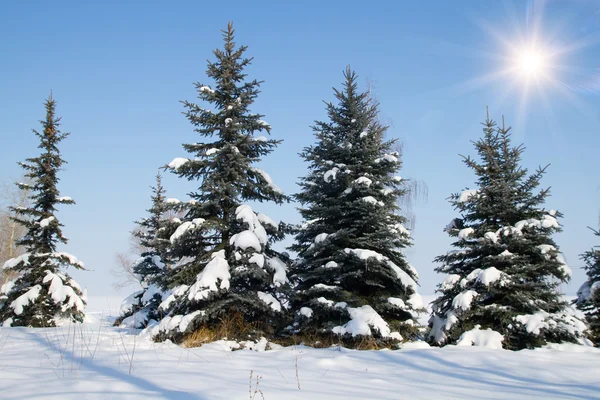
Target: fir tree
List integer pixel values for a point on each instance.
(353, 282)
(505, 270)
(228, 269)
(140, 308)
(588, 295)
(42, 293)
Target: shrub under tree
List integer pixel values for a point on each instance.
(354, 285)
(43, 293)
(229, 279)
(505, 269)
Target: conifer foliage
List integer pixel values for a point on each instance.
(353, 282)
(505, 269)
(588, 295)
(42, 294)
(227, 266)
(140, 308)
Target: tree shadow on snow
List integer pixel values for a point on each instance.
(114, 373)
(484, 376)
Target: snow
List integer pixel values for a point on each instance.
(320, 237)
(365, 254)
(363, 134)
(491, 236)
(323, 300)
(506, 253)
(206, 89)
(245, 240)
(13, 262)
(387, 157)
(23, 301)
(269, 300)
(172, 200)
(306, 311)
(228, 121)
(185, 227)
(245, 214)
(466, 195)
(331, 264)
(256, 258)
(362, 319)
(372, 200)
(46, 221)
(266, 220)
(463, 300)
(177, 163)
(450, 281)
(268, 179)
(331, 174)
(363, 180)
(464, 234)
(55, 364)
(489, 275)
(533, 322)
(59, 292)
(396, 302)
(71, 259)
(260, 138)
(280, 271)
(487, 338)
(206, 281)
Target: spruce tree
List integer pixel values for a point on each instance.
(42, 294)
(588, 295)
(505, 269)
(354, 285)
(141, 307)
(228, 269)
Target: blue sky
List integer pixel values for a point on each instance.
(118, 70)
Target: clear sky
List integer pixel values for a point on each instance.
(118, 70)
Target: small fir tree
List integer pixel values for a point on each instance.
(228, 269)
(504, 274)
(588, 295)
(354, 285)
(43, 293)
(141, 307)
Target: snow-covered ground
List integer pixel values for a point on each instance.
(97, 361)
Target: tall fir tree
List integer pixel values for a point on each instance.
(588, 295)
(141, 308)
(228, 269)
(353, 282)
(505, 270)
(43, 293)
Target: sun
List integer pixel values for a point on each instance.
(532, 63)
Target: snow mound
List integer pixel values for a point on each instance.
(487, 338)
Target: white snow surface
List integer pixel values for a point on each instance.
(59, 292)
(55, 364)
